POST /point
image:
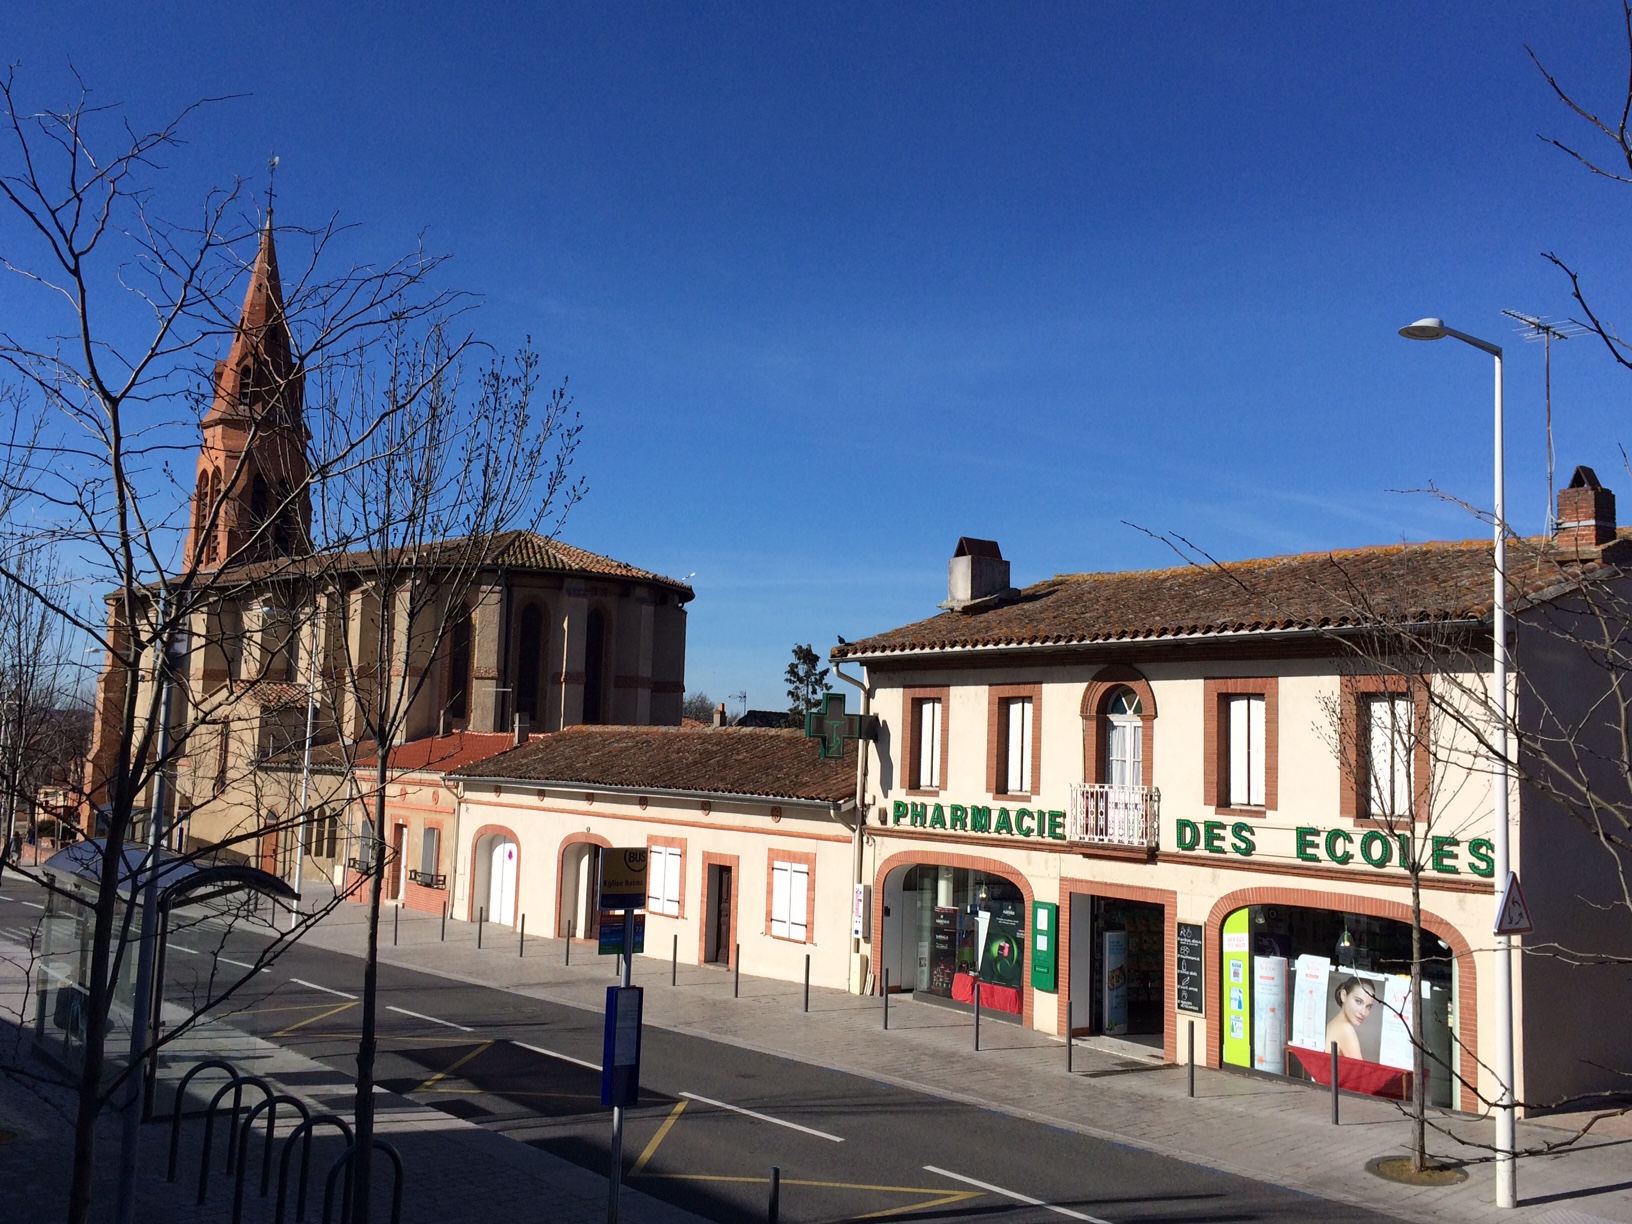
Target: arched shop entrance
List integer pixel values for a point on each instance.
(1294, 980)
(950, 929)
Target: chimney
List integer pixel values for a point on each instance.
(518, 735)
(1586, 513)
(719, 715)
(978, 577)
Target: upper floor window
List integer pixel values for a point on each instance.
(926, 744)
(1391, 742)
(1017, 745)
(1245, 729)
(1124, 739)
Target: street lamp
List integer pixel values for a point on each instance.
(1506, 1173)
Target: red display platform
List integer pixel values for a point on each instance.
(1354, 1074)
(992, 996)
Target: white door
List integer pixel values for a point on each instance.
(501, 883)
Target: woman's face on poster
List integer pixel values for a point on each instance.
(1357, 1004)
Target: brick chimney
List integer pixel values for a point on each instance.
(719, 715)
(1586, 513)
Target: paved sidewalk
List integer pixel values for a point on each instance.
(444, 1157)
(1274, 1132)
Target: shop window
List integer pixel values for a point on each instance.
(1125, 739)
(790, 899)
(1246, 757)
(430, 851)
(1017, 744)
(663, 865)
(926, 744)
(1391, 742)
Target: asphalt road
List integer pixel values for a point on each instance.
(713, 1118)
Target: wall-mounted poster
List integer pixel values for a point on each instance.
(1114, 965)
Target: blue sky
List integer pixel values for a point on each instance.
(837, 284)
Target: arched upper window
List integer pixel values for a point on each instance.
(210, 549)
(595, 667)
(529, 658)
(1124, 739)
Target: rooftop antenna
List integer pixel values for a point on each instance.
(1536, 328)
(742, 697)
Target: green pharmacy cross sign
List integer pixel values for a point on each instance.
(833, 726)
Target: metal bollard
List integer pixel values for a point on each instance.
(886, 1000)
(775, 1206)
(977, 1014)
(1192, 1058)
(569, 941)
(396, 917)
(444, 922)
(807, 981)
(674, 962)
(1334, 1084)
(736, 973)
(521, 943)
(1069, 1044)
(481, 921)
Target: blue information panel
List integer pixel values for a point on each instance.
(611, 934)
(620, 1051)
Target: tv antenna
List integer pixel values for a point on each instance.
(742, 697)
(1534, 328)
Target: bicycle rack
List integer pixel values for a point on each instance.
(380, 1145)
(303, 1132)
(236, 1087)
(209, 1064)
(271, 1106)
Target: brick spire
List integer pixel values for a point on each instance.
(252, 471)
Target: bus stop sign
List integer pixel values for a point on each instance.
(623, 878)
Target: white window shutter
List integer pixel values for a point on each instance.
(929, 745)
(1255, 751)
(1240, 736)
(798, 899)
(671, 883)
(654, 881)
(781, 887)
(1018, 771)
(1403, 742)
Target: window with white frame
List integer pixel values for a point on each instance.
(1016, 775)
(927, 761)
(1125, 739)
(790, 897)
(1246, 737)
(1390, 745)
(430, 851)
(663, 880)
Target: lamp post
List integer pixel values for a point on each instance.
(1506, 1173)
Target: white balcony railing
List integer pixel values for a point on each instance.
(1106, 815)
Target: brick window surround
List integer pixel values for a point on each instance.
(672, 843)
(1095, 699)
(1352, 735)
(997, 734)
(1215, 740)
(909, 719)
(798, 858)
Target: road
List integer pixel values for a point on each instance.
(713, 1117)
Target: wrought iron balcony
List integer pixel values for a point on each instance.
(428, 879)
(1104, 815)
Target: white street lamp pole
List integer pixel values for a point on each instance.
(1506, 1127)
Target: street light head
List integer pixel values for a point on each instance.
(1425, 329)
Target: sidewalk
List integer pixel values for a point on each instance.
(444, 1157)
(1274, 1132)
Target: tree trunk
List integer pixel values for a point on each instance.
(362, 1163)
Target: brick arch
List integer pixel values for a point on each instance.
(1095, 695)
(567, 842)
(475, 840)
(937, 858)
(1467, 986)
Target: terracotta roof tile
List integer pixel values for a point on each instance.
(444, 753)
(780, 764)
(1404, 583)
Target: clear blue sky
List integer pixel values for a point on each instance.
(836, 284)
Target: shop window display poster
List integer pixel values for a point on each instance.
(1269, 1014)
(1360, 1012)
(1114, 964)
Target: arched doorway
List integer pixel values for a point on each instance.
(947, 930)
(493, 880)
(579, 889)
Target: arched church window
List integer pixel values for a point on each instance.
(529, 657)
(458, 703)
(595, 667)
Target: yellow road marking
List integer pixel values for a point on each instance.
(462, 1061)
(506, 1092)
(267, 1011)
(383, 1038)
(657, 1139)
(789, 1181)
(333, 1011)
(956, 1196)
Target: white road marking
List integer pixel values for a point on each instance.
(33, 905)
(764, 1117)
(1015, 1195)
(417, 1016)
(553, 1054)
(324, 989)
(189, 951)
(227, 960)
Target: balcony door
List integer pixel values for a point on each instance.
(1124, 740)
